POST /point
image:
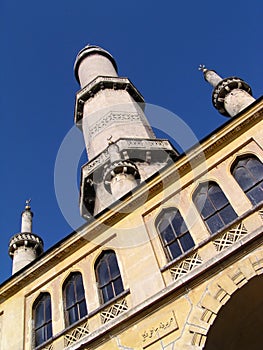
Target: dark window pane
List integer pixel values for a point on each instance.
(164, 223)
(103, 273)
(168, 235)
(42, 319)
(256, 194)
(114, 268)
(49, 331)
(72, 315)
(107, 293)
(207, 208)
(183, 229)
(177, 222)
(82, 309)
(244, 178)
(256, 168)
(217, 197)
(79, 289)
(39, 336)
(48, 309)
(39, 312)
(187, 242)
(172, 228)
(118, 286)
(108, 276)
(228, 214)
(214, 223)
(174, 250)
(70, 294)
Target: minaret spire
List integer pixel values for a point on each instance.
(231, 95)
(121, 146)
(25, 246)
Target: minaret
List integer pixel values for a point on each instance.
(25, 246)
(231, 95)
(121, 146)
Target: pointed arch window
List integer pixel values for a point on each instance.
(42, 316)
(75, 306)
(248, 172)
(174, 234)
(108, 276)
(213, 206)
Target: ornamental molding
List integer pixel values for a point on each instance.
(112, 118)
(101, 83)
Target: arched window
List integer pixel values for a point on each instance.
(42, 319)
(174, 233)
(214, 207)
(108, 276)
(248, 172)
(74, 298)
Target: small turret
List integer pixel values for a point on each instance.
(25, 246)
(231, 95)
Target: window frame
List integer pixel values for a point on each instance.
(246, 158)
(76, 305)
(43, 298)
(164, 215)
(217, 212)
(113, 280)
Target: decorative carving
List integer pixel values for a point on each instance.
(113, 118)
(76, 334)
(261, 213)
(224, 88)
(228, 238)
(114, 310)
(101, 83)
(28, 239)
(185, 266)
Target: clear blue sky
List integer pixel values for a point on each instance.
(158, 45)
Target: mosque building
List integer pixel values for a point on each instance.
(171, 254)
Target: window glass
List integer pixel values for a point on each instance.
(213, 206)
(174, 233)
(74, 299)
(42, 319)
(248, 172)
(108, 276)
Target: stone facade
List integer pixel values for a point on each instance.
(208, 297)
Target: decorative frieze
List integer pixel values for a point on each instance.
(114, 310)
(228, 238)
(76, 334)
(185, 266)
(111, 119)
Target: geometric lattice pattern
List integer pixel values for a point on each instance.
(76, 334)
(48, 347)
(185, 266)
(228, 238)
(114, 310)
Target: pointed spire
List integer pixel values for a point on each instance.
(231, 95)
(25, 246)
(210, 75)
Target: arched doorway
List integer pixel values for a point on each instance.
(238, 325)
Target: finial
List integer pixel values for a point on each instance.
(28, 201)
(109, 139)
(202, 68)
